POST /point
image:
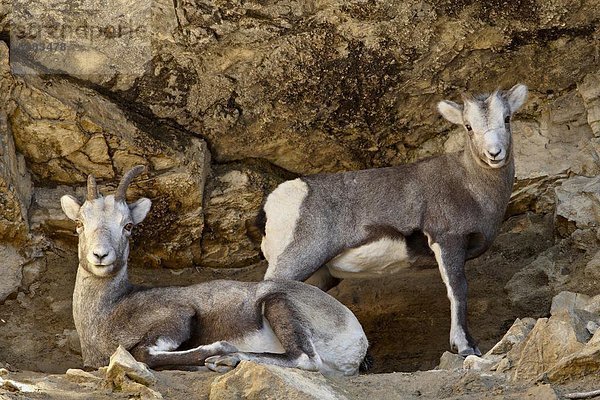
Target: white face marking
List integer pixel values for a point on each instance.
(384, 256)
(282, 210)
(487, 121)
(489, 131)
(103, 237)
(458, 336)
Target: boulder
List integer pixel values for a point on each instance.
(567, 302)
(589, 89)
(531, 289)
(15, 181)
(80, 376)
(573, 307)
(549, 341)
(257, 381)
(577, 205)
(579, 364)
(234, 196)
(77, 132)
(12, 263)
(560, 343)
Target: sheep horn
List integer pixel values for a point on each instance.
(126, 180)
(92, 188)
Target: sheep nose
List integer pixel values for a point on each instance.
(494, 152)
(100, 255)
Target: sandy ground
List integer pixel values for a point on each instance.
(420, 385)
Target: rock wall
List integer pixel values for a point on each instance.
(304, 87)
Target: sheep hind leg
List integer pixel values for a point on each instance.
(290, 328)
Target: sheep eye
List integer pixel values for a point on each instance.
(78, 224)
(128, 227)
(469, 128)
(507, 119)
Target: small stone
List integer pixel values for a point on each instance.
(515, 335)
(79, 376)
(32, 272)
(566, 302)
(61, 306)
(504, 365)
(122, 364)
(73, 341)
(15, 386)
(139, 390)
(479, 364)
(594, 304)
(544, 392)
(23, 300)
(450, 361)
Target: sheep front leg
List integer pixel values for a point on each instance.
(161, 354)
(450, 256)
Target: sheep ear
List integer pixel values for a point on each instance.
(70, 206)
(451, 111)
(139, 209)
(516, 97)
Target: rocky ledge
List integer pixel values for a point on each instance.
(544, 359)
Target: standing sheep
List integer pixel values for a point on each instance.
(368, 223)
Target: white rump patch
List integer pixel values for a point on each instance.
(282, 210)
(384, 256)
(343, 354)
(259, 341)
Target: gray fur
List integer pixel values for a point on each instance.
(201, 321)
(456, 201)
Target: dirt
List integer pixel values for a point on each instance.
(421, 385)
